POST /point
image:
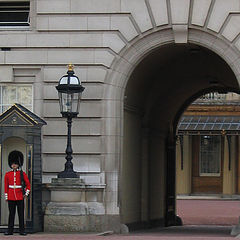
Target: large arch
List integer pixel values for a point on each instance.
(157, 205)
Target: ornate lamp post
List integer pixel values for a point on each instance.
(69, 90)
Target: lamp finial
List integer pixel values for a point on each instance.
(70, 67)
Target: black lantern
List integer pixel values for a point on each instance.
(69, 91)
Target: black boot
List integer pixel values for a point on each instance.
(23, 233)
(8, 233)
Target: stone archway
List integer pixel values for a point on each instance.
(120, 79)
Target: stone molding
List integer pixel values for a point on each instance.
(121, 68)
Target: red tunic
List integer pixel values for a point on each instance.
(13, 190)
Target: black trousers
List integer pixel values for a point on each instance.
(12, 210)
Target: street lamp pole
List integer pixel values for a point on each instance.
(69, 89)
(68, 171)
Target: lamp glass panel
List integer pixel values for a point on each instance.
(76, 102)
(67, 102)
(74, 80)
(63, 80)
(60, 101)
(78, 96)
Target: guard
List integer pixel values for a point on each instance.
(15, 191)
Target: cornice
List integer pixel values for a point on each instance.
(212, 110)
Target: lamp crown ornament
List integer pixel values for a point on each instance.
(70, 67)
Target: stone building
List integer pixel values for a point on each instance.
(142, 62)
(207, 154)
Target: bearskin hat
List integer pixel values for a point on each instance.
(15, 157)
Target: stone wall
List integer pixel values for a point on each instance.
(104, 41)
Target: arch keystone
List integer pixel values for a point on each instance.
(180, 33)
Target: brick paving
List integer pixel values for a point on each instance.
(209, 212)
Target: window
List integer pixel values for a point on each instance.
(210, 156)
(14, 13)
(10, 94)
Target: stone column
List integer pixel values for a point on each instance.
(145, 176)
(184, 166)
(236, 229)
(229, 166)
(238, 165)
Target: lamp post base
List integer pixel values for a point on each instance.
(67, 174)
(78, 207)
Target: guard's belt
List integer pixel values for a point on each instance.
(16, 186)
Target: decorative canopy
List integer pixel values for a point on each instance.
(18, 115)
(209, 125)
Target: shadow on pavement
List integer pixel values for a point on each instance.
(191, 230)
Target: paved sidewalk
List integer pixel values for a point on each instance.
(171, 233)
(204, 220)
